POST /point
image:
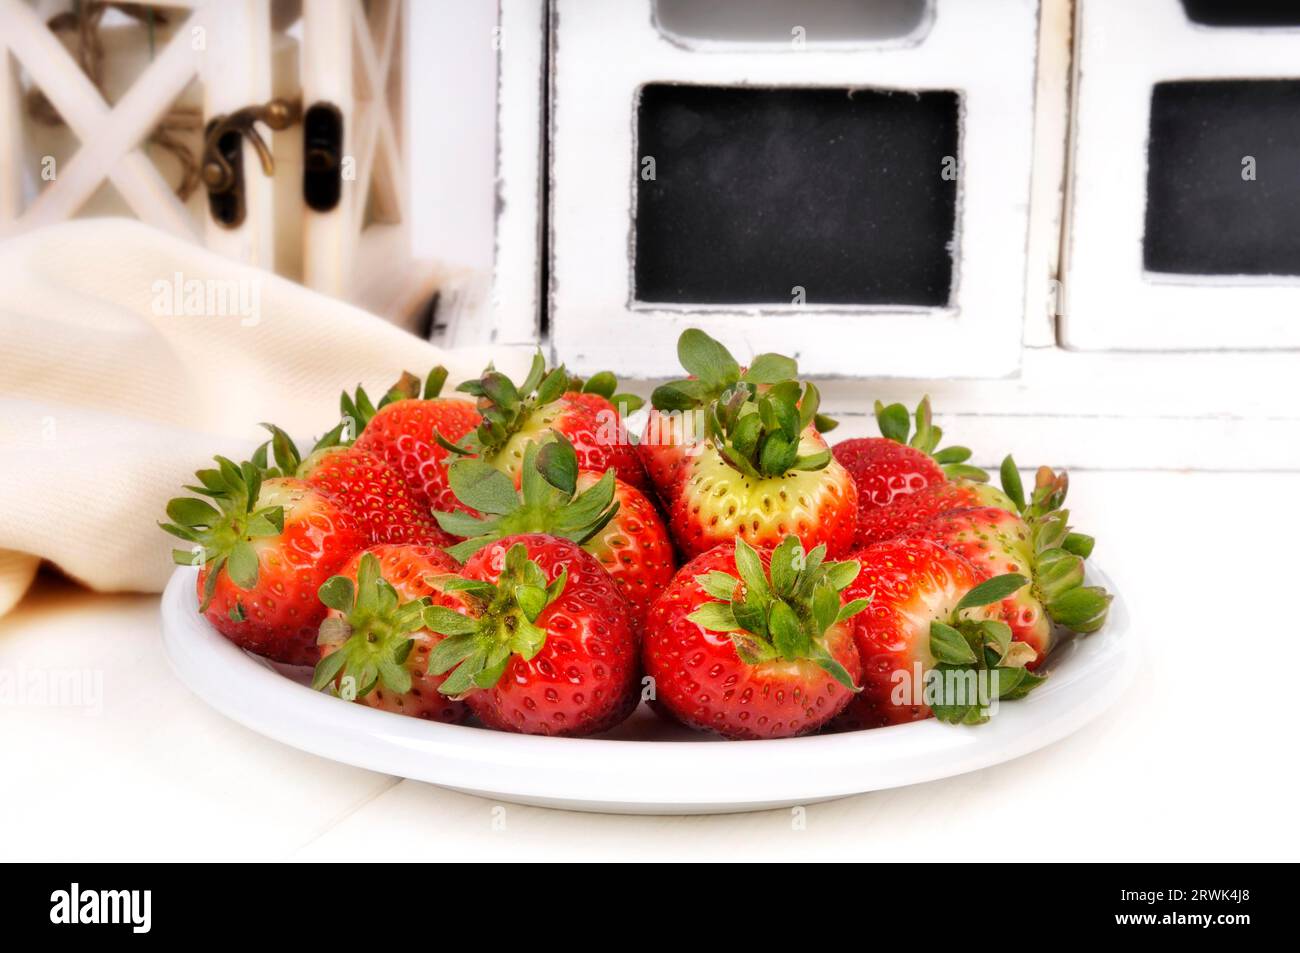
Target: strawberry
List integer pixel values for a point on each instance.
(374, 647)
(765, 653)
(675, 428)
(546, 644)
(612, 520)
(362, 484)
(813, 498)
(928, 613)
(405, 429)
(1039, 544)
(265, 547)
(760, 468)
(667, 443)
(515, 416)
(890, 466)
(916, 509)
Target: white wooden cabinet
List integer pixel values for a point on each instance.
(607, 54)
(1113, 300)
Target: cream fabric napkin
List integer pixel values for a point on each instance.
(128, 358)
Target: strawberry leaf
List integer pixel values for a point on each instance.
(949, 645)
(558, 464)
(716, 617)
(707, 359)
(751, 649)
(450, 652)
(434, 383)
(826, 607)
(836, 671)
(719, 585)
(459, 523)
(1021, 686)
(326, 669)
(788, 636)
(338, 593)
(993, 590)
(242, 565)
(750, 568)
(851, 609)
(446, 621)
(770, 369)
(603, 383)
(394, 675)
(482, 486)
(894, 421)
(532, 600)
(840, 575)
(786, 562)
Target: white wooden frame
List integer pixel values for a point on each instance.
(227, 45)
(606, 52)
(701, 44)
(517, 293)
(1110, 301)
(496, 300)
(326, 66)
(110, 136)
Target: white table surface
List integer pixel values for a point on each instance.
(1197, 762)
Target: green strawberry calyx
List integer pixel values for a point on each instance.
(754, 417)
(962, 644)
(356, 410)
(223, 528)
(547, 502)
(289, 461)
(605, 384)
(507, 407)
(1058, 552)
(783, 613)
(759, 433)
(713, 371)
(371, 635)
(896, 424)
(502, 623)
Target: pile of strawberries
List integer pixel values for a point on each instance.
(520, 561)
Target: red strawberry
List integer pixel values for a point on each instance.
(515, 416)
(891, 466)
(362, 484)
(265, 548)
(926, 613)
(677, 425)
(610, 519)
(547, 645)
(404, 431)
(374, 647)
(765, 655)
(1040, 546)
(916, 509)
(668, 441)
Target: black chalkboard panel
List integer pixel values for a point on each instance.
(1223, 178)
(848, 194)
(1243, 12)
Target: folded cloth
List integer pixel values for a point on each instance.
(128, 358)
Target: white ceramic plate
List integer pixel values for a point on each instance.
(645, 766)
